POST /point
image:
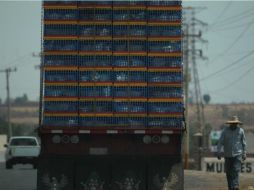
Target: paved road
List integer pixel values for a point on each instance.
(2, 156)
(21, 177)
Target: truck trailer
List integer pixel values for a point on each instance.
(111, 108)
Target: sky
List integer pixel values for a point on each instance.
(227, 76)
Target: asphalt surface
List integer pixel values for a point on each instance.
(21, 177)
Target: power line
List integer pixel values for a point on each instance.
(234, 42)
(235, 81)
(11, 63)
(8, 71)
(232, 27)
(227, 66)
(239, 37)
(236, 21)
(234, 18)
(222, 13)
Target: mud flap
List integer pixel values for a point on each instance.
(92, 173)
(110, 173)
(54, 174)
(165, 174)
(128, 173)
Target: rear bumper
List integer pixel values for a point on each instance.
(23, 160)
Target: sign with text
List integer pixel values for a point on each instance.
(217, 166)
(214, 138)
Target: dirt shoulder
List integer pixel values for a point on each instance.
(198, 180)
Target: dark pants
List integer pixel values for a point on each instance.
(232, 168)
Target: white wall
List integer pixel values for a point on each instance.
(250, 141)
(3, 139)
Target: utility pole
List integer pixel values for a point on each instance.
(40, 67)
(186, 93)
(8, 72)
(190, 55)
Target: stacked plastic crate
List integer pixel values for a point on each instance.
(112, 64)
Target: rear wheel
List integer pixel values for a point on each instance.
(34, 166)
(8, 165)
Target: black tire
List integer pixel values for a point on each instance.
(35, 166)
(8, 165)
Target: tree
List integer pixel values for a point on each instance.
(0, 101)
(3, 127)
(21, 100)
(207, 98)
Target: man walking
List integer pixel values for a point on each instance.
(234, 143)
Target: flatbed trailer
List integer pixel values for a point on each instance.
(111, 109)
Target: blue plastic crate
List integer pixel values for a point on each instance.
(120, 46)
(95, 76)
(60, 14)
(60, 45)
(95, 122)
(103, 30)
(163, 122)
(164, 61)
(86, 107)
(60, 2)
(132, 76)
(103, 61)
(87, 122)
(95, 14)
(120, 61)
(129, 15)
(100, 45)
(160, 31)
(87, 30)
(95, 30)
(51, 121)
(121, 15)
(124, 30)
(163, 16)
(165, 92)
(164, 46)
(137, 2)
(96, 91)
(130, 2)
(101, 107)
(61, 91)
(60, 60)
(120, 31)
(61, 76)
(95, 61)
(86, 61)
(133, 61)
(132, 46)
(102, 2)
(137, 30)
(96, 107)
(163, 3)
(83, 3)
(165, 77)
(133, 122)
(132, 107)
(60, 30)
(61, 106)
(137, 46)
(133, 92)
(165, 107)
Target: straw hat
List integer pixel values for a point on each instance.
(234, 120)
